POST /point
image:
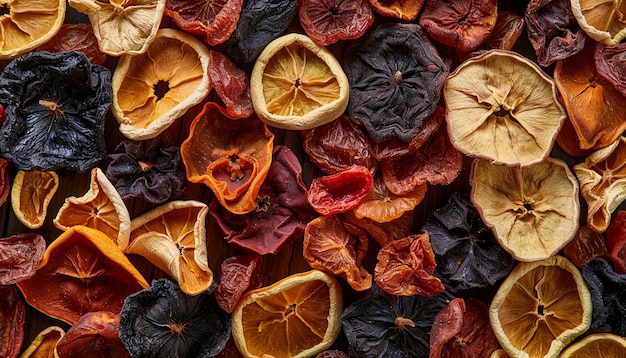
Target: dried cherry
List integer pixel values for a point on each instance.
(328, 21)
(238, 274)
(342, 191)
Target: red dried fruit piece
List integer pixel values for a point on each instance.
(403, 10)
(215, 19)
(5, 179)
(238, 274)
(328, 21)
(340, 192)
(462, 329)
(337, 247)
(586, 245)
(231, 85)
(405, 267)
(462, 24)
(19, 256)
(611, 64)
(509, 26)
(76, 37)
(94, 335)
(12, 319)
(616, 241)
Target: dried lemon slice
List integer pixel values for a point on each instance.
(297, 84)
(28, 24)
(31, 194)
(540, 308)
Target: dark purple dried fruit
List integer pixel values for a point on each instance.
(396, 75)
(467, 254)
(55, 104)
(150, 169)
(611, 64)
(608, 296)
(383, 325)
(162, 321)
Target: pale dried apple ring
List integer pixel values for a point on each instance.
(153, 89)
(31, 194)
(297, 84)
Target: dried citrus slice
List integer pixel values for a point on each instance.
(540, 308)
(153, 89)
(298, 316)
(297, 84)
(597, 345)
(602, 20)
(30, 195)
(27, 24)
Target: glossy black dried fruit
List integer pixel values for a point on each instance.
(260, 22)
(383, 325)
(152, 169)
(608, 296)
(467, 254)
(396, 75)
(162, 321)
(55, 105)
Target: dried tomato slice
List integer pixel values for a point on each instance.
(340, 192)
(12, 319)
(231, 85)
(238, 274)
(215, 19)
(328, 21)
(19, 256)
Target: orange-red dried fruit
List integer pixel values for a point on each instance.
(342, 191)
(328, 21)
(215, 19)
(231, 84)
(76, 37)
(94, 335)
(12, 319)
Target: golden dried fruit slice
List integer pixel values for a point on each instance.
(43, 345)
(31, 194)
(298, 316)
(597, 345)
(173, 238)
(540, 308)
(27, 24)
(504, 108)
(153, 89)
(101, 208)
(383, 206)
(297, 84)
(122, 27)
(602, 20)
(532, 211)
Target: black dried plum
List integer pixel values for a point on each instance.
(608, 296)
(162, 321)
(396, 75)
(260, 22)
(467, 254)
(384, 325)
(152, 169)
(55, 105)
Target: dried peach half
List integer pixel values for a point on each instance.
(31, 194)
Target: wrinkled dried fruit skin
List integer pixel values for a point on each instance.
(509, 26)
(398, 9)
(5, 179)
(383, 233)
(342, 191)
(215, 19)
(608, 295)
(332, 354)
(163, 322)
(383, 325)
(238, 274)
(467, 254)
(12, 319)
(261, 21)
(587, 245)
(55, 104)
(151, 169)
(338, 145)
(462, 24)
(396, 75)
(281, 209)
(328, 21)
(94, 335)
(231, 85)
(611, 64)
(76, 37)
(616, 241)
(19, 256)
(553, 30)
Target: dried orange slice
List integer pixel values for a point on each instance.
(43, 345)
(153, 89)
(597, 345)
(298, 316)
(28, 24)
(540, 308)
(31, 194)
(297, 84)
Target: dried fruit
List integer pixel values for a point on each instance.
(295, 317)
(216, 20)
(502, 107)
(340, 192)
(540, 308)
(608, 290)
(5, 180)
(597, 345)
(509, 26)
(296, 84)
(383, 233)
(31, 194)
(601, 20)
(231, 84)
(610, 64)
(532, 211)
(402, 10)
(20, 255)
(383, 206)
(94, 335)
(237, 275)
(616, 241)
(328, 21)
(153, 89)
(587, 245)
(76, 37)
(161, 321)
(12, 320)
(55, 105)
(42, 346)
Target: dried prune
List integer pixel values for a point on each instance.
(396, 75)
(96, 334)
(608, 295)
(238, 274)
(19, 256)
(151, 169)
(384, 325)
(467, 254)
(12, 319)
(342, 191)
(162, 321)
(231, 85)
(55, 104)
(260, 22)
(328, 21)
(553, 30)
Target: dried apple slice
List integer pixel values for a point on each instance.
(101, 208)
(532, 211)
(173, 238)
(31, 194)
